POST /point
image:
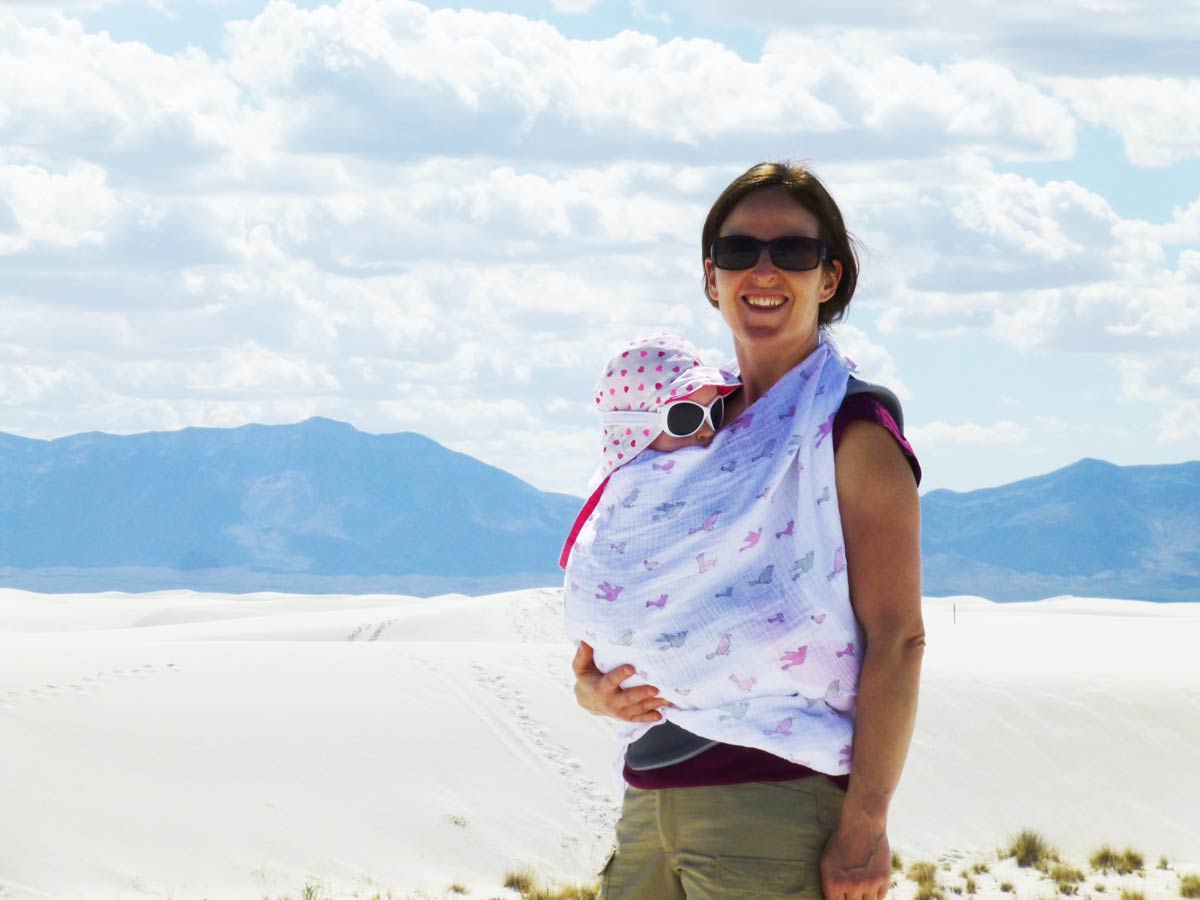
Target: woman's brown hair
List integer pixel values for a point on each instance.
(805, 188)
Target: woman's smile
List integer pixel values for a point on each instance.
(764, 301)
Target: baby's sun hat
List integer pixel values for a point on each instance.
(644, 376)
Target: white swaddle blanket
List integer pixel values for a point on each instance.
(719, 573)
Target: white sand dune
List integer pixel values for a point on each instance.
(205, 746)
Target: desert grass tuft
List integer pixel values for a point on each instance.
(980, 869)
(1030, 850)
(923, 873)
(1189, 886)
(1006, 887)
(925, 876)
(521, 881)
(1099, 887)
(1123, 863)
(530, 887)
(1066, 878)
(1163, 863)
(897, 863)
(457, 888)
(1127, 894)
(970, 885)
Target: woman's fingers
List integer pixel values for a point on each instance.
(603, 695)
(583, 663)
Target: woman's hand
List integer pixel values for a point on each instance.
(857, 862)
(602, 695)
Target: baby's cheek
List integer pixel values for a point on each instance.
(664, 443)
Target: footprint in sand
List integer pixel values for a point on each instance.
(591, 805)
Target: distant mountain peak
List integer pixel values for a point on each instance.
(313, 422)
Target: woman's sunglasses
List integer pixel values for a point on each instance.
(793, 253)
(679, 418)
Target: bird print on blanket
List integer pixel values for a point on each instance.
(609, 592)
(722, 647)
(666, 511)
(750, 541)
(744, 683)
(768, 449)
(794, 657)
(839, 564)
(667, 641)
(803, 565)
(734, 710)
(765, 577)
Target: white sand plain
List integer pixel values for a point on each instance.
(190, 746)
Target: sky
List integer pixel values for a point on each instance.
(440, 218)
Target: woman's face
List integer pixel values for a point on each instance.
(769, 309)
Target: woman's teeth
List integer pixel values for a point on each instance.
(764, 302)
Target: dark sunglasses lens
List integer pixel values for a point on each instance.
(684, 418)
(796, 254)
(735, 252)
(716, 412)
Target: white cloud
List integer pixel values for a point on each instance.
(1157, 118)
(574, 6)
(1063, 37)
(875, 363)
(937, 434)
(1180, 423)
(410, 218)
(393, 78)
(67, 210)
(642, 12)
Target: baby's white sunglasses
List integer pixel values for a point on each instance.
(679, 418)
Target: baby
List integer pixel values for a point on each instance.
(655, 394)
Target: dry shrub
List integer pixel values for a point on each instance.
(1123, 863)
(1066, 878)
(530, 887)
(923, 873)
(1189, 886)
(1030, 850)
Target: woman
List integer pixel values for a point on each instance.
(731, 820)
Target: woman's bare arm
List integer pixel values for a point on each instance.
(881, 516)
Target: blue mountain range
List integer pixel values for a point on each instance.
(313, 507)
(1092, 529)
(320, 507)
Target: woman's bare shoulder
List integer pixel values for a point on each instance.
(869, 463)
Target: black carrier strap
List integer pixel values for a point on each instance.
(668, 744)
(880, 393)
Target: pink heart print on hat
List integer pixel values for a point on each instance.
(645, 375)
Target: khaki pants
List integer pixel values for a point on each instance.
(763, 839)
